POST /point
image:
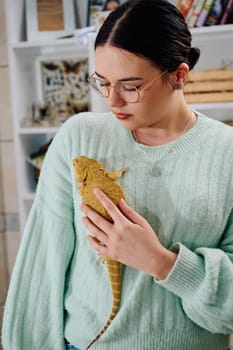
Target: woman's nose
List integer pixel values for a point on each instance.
(114, 99)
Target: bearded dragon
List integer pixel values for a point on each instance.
(91, 175)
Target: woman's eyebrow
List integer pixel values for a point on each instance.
(121, 80)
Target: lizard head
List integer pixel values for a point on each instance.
(82, 165)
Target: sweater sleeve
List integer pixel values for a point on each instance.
(203, 279)
(33, 315)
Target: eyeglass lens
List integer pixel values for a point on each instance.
(127, 92)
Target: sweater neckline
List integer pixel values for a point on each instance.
(186, 141)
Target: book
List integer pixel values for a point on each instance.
(230, 17)
(191, 10)
(204, 12)
(184, 6)
(195, 13)
(215, 13)
(226, 12)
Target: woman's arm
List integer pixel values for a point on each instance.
(33, 315)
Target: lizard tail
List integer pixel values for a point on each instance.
(114, 270)
(107, 324)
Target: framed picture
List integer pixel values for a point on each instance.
(49, 19)
(62, 88)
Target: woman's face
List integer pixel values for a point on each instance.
(114, 65)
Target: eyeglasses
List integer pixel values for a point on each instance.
(127, 92)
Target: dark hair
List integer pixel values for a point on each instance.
(153, 29)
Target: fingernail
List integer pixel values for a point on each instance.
(96, 191)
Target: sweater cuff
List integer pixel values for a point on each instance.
(187, 274)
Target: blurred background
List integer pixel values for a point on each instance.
(9, 236)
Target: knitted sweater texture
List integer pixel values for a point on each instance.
(57, 290)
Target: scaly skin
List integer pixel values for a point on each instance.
(91, 175)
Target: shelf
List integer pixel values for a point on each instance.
(38, 130)
(207, 106)
(47, 43)
(61, 46)
(200, 31)
(212, 30)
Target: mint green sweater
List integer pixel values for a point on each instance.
(57, 290)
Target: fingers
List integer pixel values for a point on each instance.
(111, 208)
(98, 234)
(124, 213)
(99, 246)
(132, 215)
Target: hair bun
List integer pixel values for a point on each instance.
(193, 57)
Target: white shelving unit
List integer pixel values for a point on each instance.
(22, 58)
(215, 44)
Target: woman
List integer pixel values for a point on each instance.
(174, 236)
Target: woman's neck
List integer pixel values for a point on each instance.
(159, 135)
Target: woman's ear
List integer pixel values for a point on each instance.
(180, 76)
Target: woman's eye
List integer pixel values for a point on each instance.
(102, 84)
(130, 87)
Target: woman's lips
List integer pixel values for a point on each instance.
(123, 116)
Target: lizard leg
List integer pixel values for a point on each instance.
(116, 174)
(101, 259)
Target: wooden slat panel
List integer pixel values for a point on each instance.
(209, 97)
(217, 74)
(226, 85)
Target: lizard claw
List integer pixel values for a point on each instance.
(101, 259)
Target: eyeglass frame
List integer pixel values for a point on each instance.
(138, 90)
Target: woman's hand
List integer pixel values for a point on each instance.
(129, 239)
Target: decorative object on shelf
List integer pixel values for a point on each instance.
(94, 6)
(98, 18)
(209, 86)
(36, 159)
(49, 19)
(98, 10)
(62, 88)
